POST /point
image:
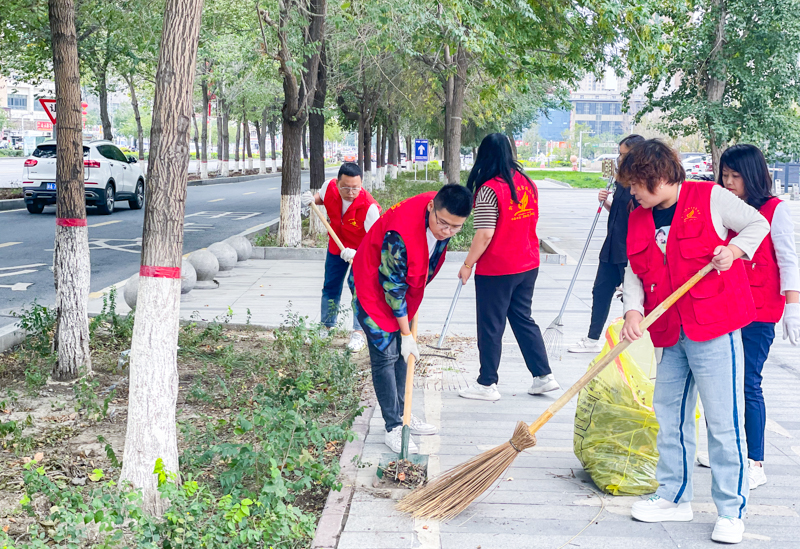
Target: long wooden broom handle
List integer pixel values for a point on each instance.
(410, 378)
(616, 350)
(327, 225)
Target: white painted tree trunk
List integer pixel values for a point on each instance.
(235, 165)
(71, 271)
(315, 224)
(368, 180)
(289, 230)
(262, 166)
(249, 163)
(153, 387)
(204, 170)
(393, 171)
(223, 169)
(274, 165)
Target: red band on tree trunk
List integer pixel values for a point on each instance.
(160, 272)
(64, 222)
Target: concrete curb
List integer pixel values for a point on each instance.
(557, 182)
(12, 204)
(337, 507)
(10, 336)
(234, 179)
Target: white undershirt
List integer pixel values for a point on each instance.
(372, 212)
(431, 242)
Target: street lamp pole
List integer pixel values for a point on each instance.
(580, 149)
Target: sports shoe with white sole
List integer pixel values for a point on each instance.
(658, 509)
(543, 384)
(586, 345)
(728, 530)
(480, 392)
(756, 474)
(419, 427)
(357, 342)
(394, 440)
(702, 459)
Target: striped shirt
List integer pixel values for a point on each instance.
(485, 212)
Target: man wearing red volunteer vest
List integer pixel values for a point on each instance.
(397, 259)
(352, 212)
(679, 227)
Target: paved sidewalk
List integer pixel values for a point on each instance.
(545, 499)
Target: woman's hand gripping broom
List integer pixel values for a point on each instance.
(452, 492)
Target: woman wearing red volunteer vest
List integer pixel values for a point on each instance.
(397, 259)
(774, 282)
(505, 256)
(678, 228)
(352, 212)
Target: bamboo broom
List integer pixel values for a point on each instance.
(452, 492)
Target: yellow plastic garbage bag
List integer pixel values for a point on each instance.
(615, 426)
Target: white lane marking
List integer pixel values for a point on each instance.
(23, 266)
(253, 192)
(15, 273)
(7, 244)
(18, 287)
(773, 426)
(217, 200)
(273, 189)
(105, 223)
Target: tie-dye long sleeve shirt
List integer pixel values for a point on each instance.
(392, 276)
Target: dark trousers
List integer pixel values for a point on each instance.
(609, 276)
(389, 380)
(335, 273)
(757, 338)
(498, 298)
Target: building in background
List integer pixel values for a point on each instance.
(26, 116)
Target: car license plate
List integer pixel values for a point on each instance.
(51, 186)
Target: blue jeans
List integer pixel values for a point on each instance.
(335, 273)
(715, 368)
(757, 338)
(389, 380)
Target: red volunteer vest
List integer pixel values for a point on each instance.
(514, 247)
(350, 227)
(720, 303)
(408, 219)
(764, 275)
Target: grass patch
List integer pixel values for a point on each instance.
(580, 180)
(262, 419)
(6, 194)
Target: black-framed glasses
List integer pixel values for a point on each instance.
(445, 225)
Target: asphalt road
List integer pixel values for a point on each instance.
(213, 213)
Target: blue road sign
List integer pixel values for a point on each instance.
(420, 150)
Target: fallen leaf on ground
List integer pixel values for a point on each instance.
(39, 456)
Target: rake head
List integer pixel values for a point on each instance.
(553, 338)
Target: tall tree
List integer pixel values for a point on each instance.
(71, 267)
(298, 29)
(725, 68)
(153, 392)
(316, 140)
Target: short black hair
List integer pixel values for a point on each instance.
(454, 198)
(749, 162)
(349, 169)
(631, 140)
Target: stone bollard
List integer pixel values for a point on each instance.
(188, 277)
(130, 291)
(242, 246)
(206, 269)
(226, 256)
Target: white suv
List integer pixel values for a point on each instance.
(108, 176)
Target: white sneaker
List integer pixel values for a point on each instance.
(357, 342)
(586, 345)
(702, 459)
(480, 392)
(324, 332)
(419, 427)
(756, 474)
(657, 509)
(728, 530)
(394, 440)
(543, 384)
